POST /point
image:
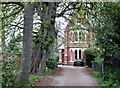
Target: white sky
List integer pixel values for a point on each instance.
(61, 23)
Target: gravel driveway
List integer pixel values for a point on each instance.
(70, 76)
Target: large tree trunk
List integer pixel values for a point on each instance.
(27, 43)
(35, 59)
(42, 65)
(48, 15)
(38, 55)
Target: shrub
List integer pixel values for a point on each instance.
(90, 55)
(33, 78)
(47, 73)
(111, 82)
(96, 74)
(51, 63)
(9, 73)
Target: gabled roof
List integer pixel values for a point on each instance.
(72, 24)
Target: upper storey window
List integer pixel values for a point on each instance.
(71, 36)
(80, 36)
(76, 36)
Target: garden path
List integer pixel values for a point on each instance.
(69, 76)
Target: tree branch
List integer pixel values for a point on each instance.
(18, 3)
(16, 26)
(68, 9)
(13, 13)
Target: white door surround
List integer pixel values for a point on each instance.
(73, 50)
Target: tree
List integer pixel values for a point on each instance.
(48, 12)
(6, 18)
(27, 43)
(107, 30)
(45, 36)
(107, 27)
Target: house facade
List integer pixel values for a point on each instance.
(76, 40)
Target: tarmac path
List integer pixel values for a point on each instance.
(70, 76)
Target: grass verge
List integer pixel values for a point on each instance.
(34, 78)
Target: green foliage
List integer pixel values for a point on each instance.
(33, 78)
(90, 55)
(99, 59)
(96, 74)
(15, 45)
(111, 82)
(92, 51)
(47, 73)
(9, 72)
(11, 63)
(51, 63)
(46, 24)
(106, 30)
(107, 35)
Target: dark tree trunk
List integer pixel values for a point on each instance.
(36, 59)
(48, 15)
(38, 55)
(27, 43)
(42, 66)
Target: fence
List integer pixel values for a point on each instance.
(96, 66)
(116, 67)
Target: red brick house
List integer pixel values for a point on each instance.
(75, 42)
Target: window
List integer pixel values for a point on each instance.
(79, 54)
(80, 36)
(75, 54)
(71, 36)
(76, 36)
(83, 36)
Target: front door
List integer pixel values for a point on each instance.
(63, 56)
